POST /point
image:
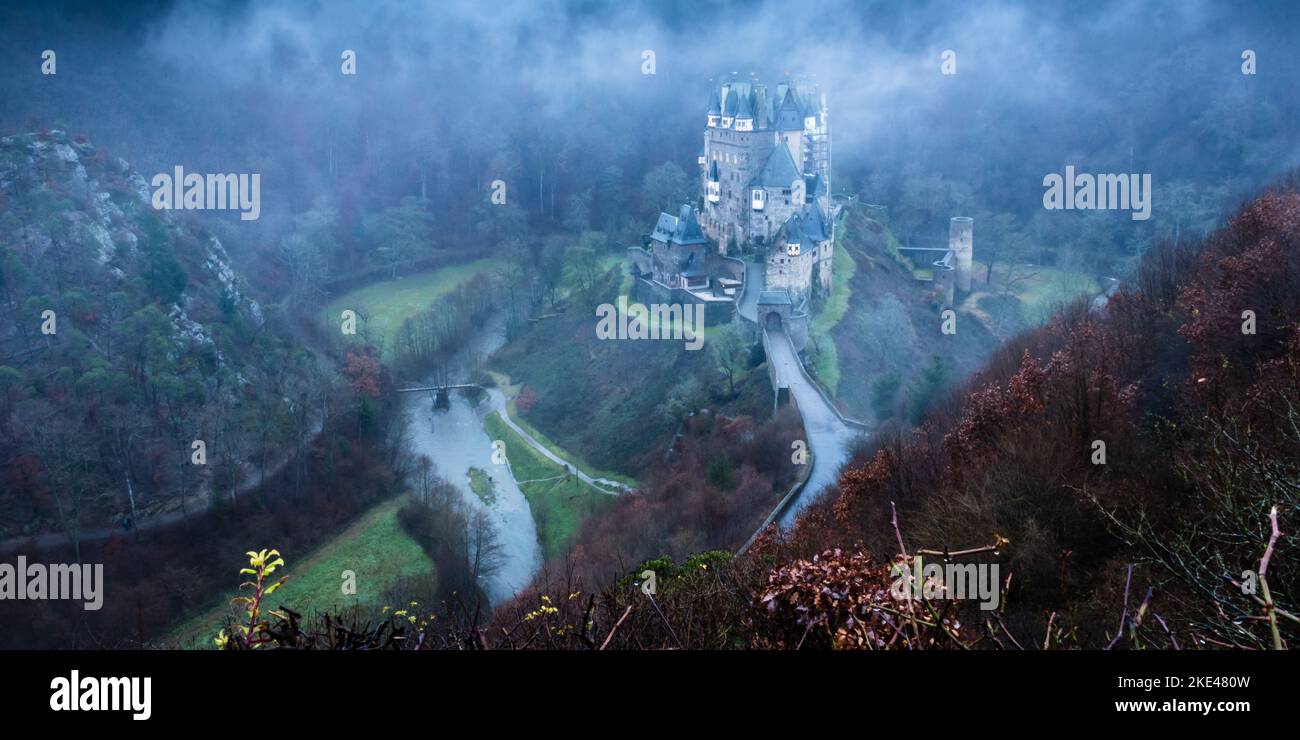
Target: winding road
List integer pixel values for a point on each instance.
(828, 434)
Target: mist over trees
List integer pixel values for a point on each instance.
(397, 162)
(532, 134)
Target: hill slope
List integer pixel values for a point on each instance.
(125, 336)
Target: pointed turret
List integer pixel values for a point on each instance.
(789, 114)
(744, 114)
(688, 228)
(761, 115)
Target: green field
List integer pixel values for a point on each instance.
(559, 502)
(1048, 287)
(382, 307)
(375, 548)
(1039, 289)
(503, 382)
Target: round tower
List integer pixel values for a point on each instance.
(961, 242)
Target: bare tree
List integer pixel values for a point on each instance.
(484, 551)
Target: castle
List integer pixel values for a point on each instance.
(764, 191)
(759, 242)
(767, 159)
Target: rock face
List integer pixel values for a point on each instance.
(125, 333)
(100, 203)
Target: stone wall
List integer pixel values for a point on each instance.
(715, 312)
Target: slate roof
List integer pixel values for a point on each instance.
(789, 116)
(688, 228)
(729, 105)
(682, 229)
(743, 109)
(774, 298)
(805, 226)
(814, 225)
(778, 171)
(664, 228)
(783, 108)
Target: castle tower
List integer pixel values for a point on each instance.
(961, 243)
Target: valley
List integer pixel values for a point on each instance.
(599, 326)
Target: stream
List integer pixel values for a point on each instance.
(455, 440)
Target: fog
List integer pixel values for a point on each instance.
(451, 95)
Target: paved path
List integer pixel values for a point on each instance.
(754, 281)
(604, 485)
(828, 434)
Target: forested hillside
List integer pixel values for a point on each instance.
(891, 357)
(1189, 376)
(127, 338)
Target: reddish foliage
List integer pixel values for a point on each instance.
(364, 373)
(1015, 459)
(843, 600)
(525, 400)
(1250, 268)
(992, 408)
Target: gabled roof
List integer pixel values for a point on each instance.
(778, 171)
(682, 229)
(743, 99)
